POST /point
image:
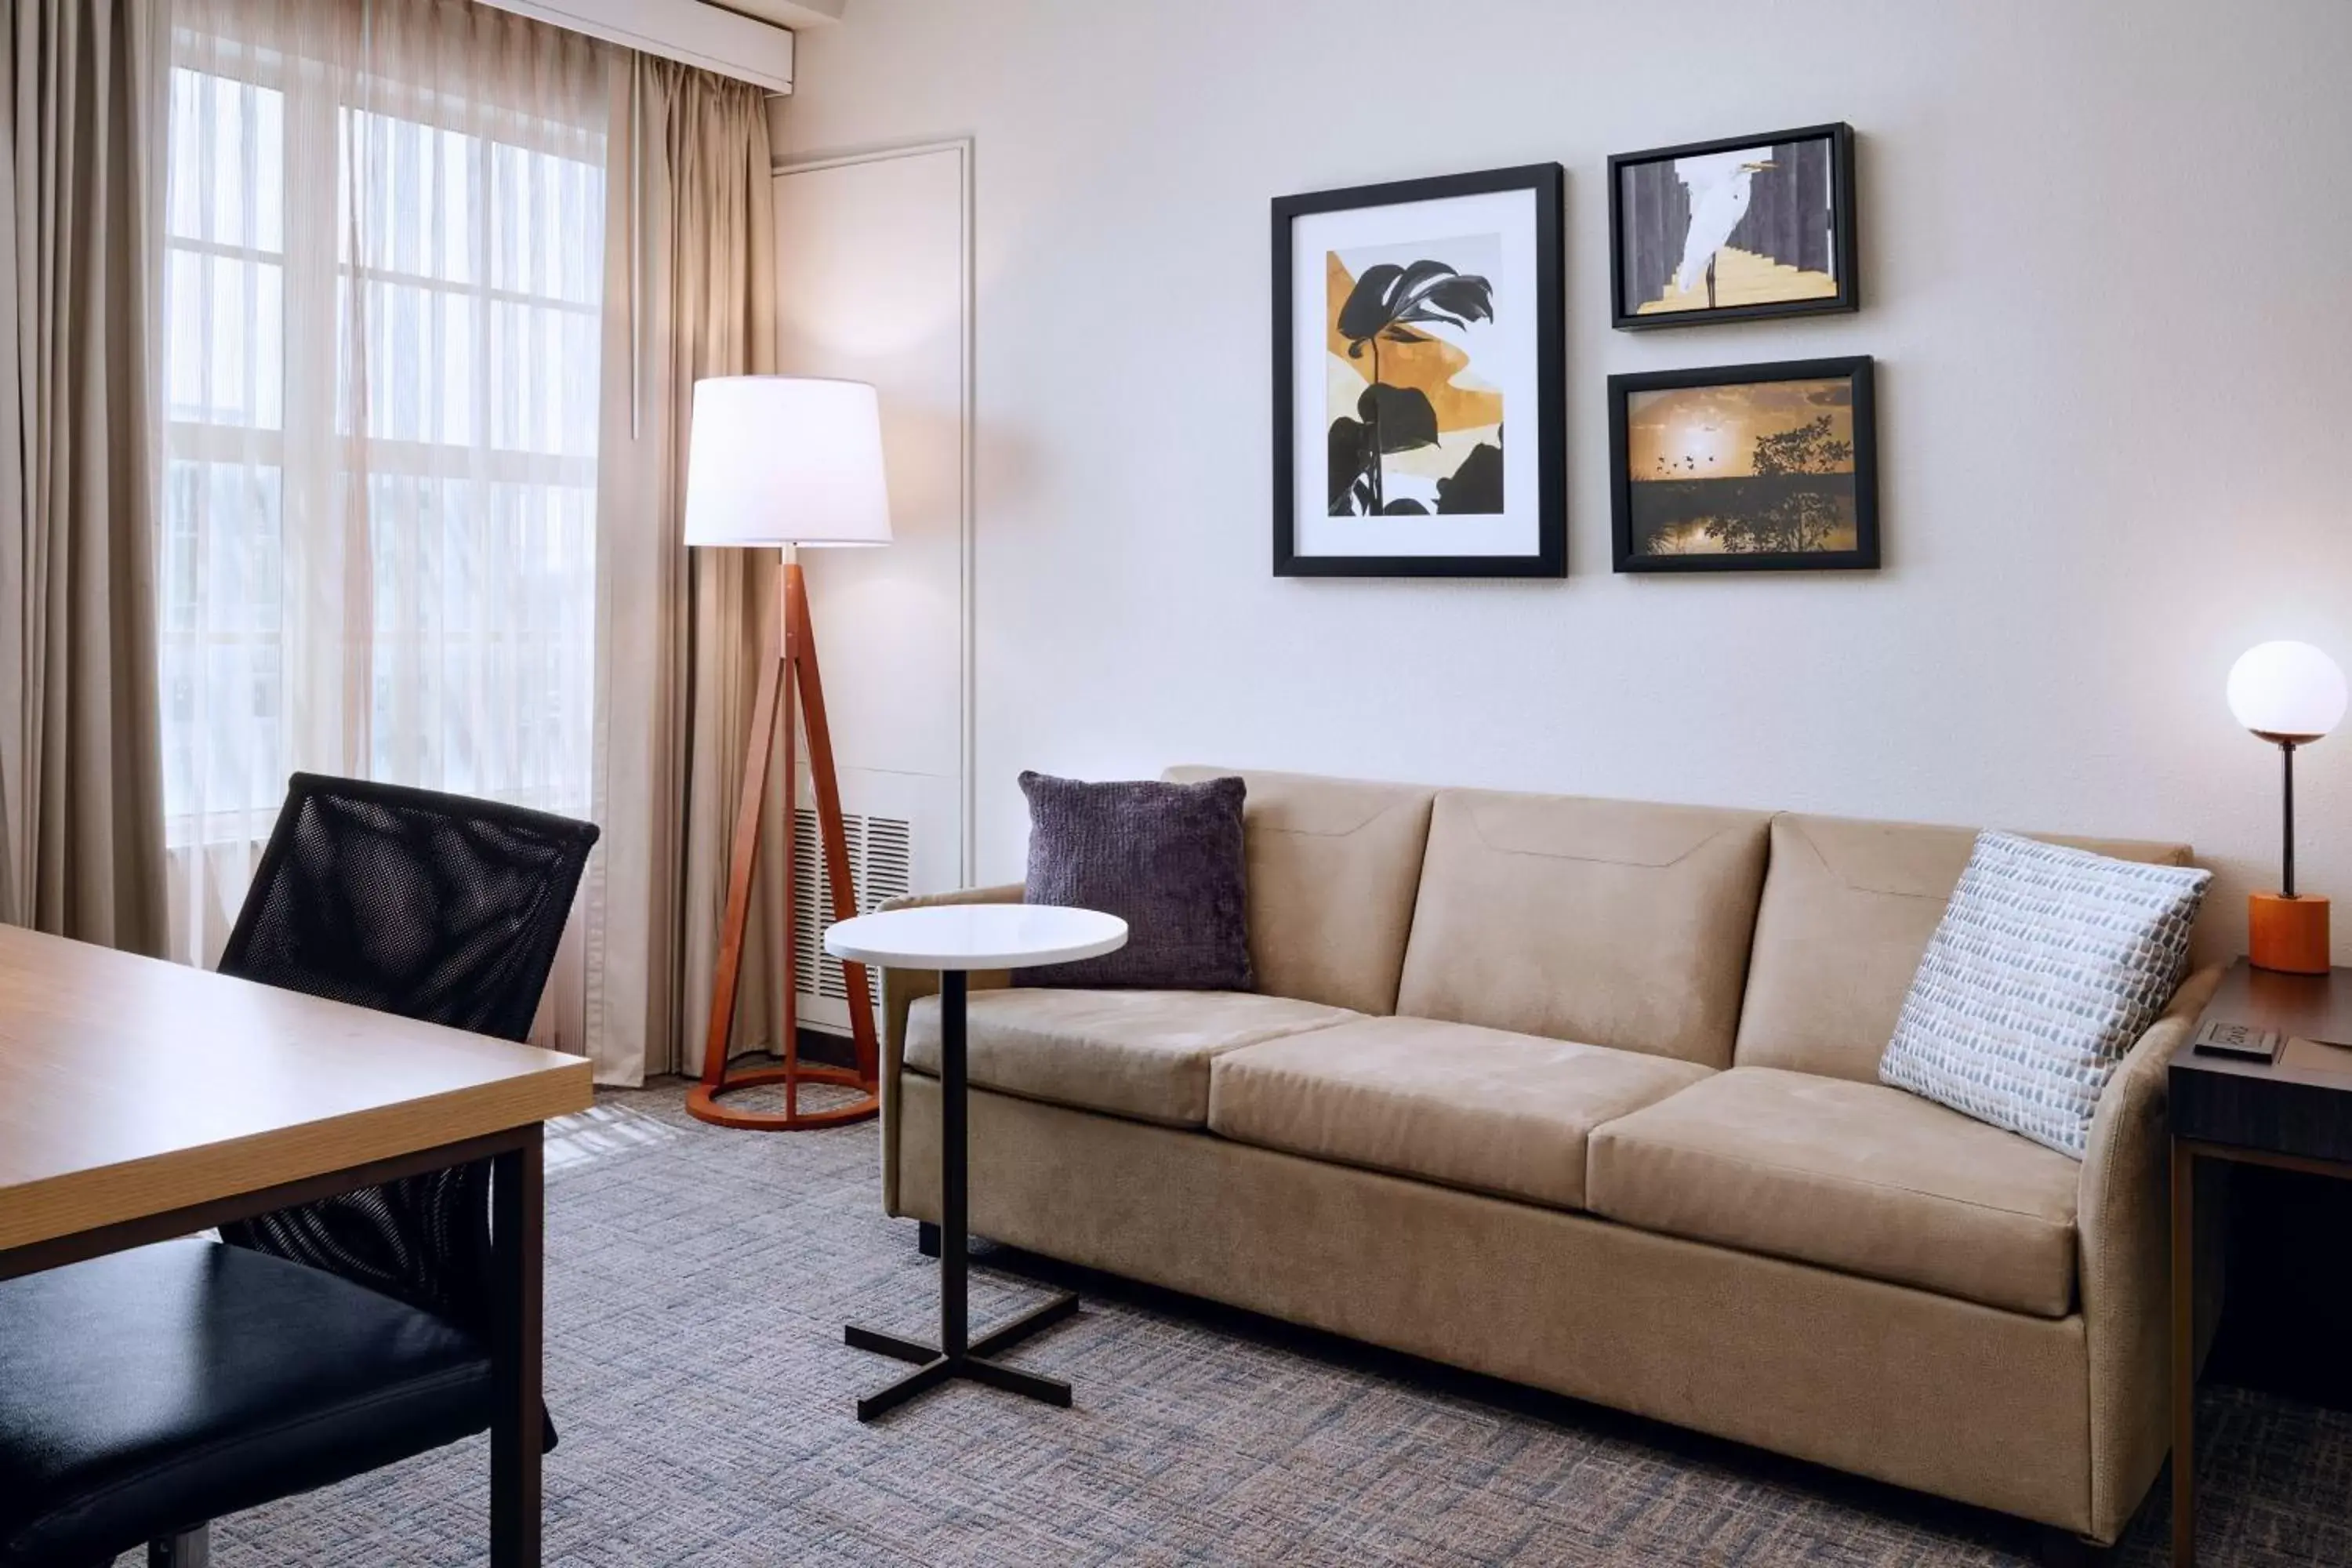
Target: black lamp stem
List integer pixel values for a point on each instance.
(2286, 889)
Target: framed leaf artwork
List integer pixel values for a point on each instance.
(1419, 410)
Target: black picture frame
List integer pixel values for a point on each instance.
(1859, 372)
(1547, 182)
(1841, 249)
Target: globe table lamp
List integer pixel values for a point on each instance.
(2290, 694)
(777, 462)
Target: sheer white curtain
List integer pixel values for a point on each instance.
(383, 314)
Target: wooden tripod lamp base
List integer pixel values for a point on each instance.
(776, 461)
(793, 672)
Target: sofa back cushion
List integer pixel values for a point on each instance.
(1605, 921)
(1332, 867)
(1849, 907)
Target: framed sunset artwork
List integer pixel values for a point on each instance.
(1747, 468)
(1418, 397)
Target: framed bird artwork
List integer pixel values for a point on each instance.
(1735, 230)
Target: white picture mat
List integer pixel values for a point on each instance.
(1511, 366)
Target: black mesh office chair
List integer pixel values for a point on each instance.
(144, 1393)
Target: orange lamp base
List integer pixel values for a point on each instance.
(2289, 936)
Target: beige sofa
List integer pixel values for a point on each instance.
(1583, 1094)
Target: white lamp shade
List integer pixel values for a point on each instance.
(785, 460)
(2287, 691)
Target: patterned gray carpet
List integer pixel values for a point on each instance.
(696, 1285)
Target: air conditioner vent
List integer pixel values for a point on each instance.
(881, 867)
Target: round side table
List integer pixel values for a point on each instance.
(955, 940)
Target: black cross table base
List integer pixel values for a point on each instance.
(958, 1355)
(972, 1362)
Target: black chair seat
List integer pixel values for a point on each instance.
(227, 1378)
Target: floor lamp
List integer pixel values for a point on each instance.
(776, 462)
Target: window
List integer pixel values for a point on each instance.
(382, 319)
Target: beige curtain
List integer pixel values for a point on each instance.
(690, 270)
(81, 183)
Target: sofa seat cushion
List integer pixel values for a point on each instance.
(1138, 1054)
(1855, 1176)
(1469, 1107)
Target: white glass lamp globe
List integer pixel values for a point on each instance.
(2287, 691)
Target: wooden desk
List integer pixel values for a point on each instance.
(2294, 1113)
(141, 1100)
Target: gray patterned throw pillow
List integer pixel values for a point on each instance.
(2048, 964)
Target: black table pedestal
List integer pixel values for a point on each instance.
(957, 1355)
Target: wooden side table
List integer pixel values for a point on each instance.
(2294, 1113)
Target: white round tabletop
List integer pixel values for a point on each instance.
(975, 936)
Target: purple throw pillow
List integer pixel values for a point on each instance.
(1164, 858)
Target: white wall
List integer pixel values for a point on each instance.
(2105, 247)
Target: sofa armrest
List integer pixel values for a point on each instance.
(2123, 1220)
(901, 989)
